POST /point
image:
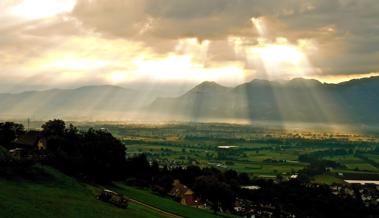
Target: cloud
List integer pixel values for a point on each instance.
(341, 36)
(332, 24)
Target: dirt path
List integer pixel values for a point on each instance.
(168, 214)
(155, 209)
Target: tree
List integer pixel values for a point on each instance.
(103, 155)
(217, 193)
(5, 158)
(165, 181)
(9, 131)
(244, 179)
(94, 154)
(54, 127)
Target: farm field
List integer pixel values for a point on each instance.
(262, 152)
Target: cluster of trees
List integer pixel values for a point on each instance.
(217, 188)
(4, 157)
(9, 166)
(92, 154)
(305, 200)
(316, 166)
(9, 131)
(212, 186)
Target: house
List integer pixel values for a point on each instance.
(30, 140)
(184, 195)
(18, 153)
(24, 147)
(178, 190)
(188, 198)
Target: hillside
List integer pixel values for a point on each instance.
(47, 193)
(81, 103)
(53, 194)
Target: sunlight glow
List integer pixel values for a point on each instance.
(276, 58)
(37, 9)
(281, 58)
(277, 54)
(122, 61)
(259, 25)
(118, 77)
(183, 68)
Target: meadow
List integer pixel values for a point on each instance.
(51, 194)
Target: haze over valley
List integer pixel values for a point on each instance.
(296, 100)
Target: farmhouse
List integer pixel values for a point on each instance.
(31, 140)
(183, 194)
(25, 146)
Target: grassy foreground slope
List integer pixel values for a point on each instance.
(52, 194)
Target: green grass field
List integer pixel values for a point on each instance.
(56, 195)
(327, 179)
(354, 163)
(51, 194)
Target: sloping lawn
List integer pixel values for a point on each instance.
(55, 195)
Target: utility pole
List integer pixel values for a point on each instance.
(28, 123)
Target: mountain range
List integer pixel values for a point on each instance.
(297, 100)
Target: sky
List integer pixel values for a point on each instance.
(175, 43)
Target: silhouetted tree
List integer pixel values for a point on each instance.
(103, 155)
(217, 193)
(54, 127)
(9, 131)
(244, 179)
(94, 154)
(138, 167)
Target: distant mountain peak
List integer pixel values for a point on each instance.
(260, 82)
(208, 84)
(209, 87)
(256, 83)
(303, 82)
